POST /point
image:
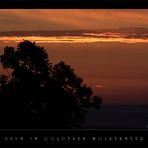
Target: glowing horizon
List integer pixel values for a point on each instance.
(72, 39)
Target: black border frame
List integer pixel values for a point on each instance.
(74, 4)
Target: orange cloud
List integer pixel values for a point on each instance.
(68, 19)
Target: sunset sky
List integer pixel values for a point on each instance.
(71, 19)
(114, 62)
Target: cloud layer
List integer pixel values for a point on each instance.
(71, 19)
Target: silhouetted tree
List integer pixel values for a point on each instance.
(35, 93)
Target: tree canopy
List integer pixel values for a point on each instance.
(35, 93)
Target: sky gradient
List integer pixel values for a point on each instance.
(71, 19)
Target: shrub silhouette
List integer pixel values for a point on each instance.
(35, 93)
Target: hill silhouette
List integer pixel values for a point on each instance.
(35, 93)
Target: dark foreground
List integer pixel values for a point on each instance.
(118, 117)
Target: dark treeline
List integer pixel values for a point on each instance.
(35, 93)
